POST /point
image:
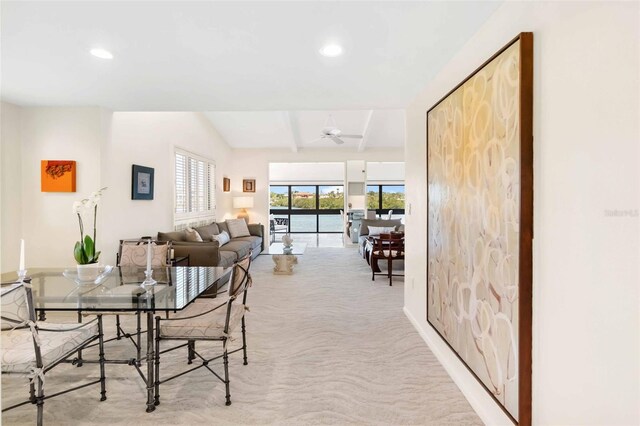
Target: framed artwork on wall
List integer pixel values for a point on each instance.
(226, 184)
(248, 185)
(141, 182)
(480, 224)
(57, 176)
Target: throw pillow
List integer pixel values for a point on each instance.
(208, 231)
(192, 235)
(222, 238)
(237, 228)
(377, 230)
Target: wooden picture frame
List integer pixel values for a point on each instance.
(142, 182)
(479, 156)
(226, 184)
(248, 185)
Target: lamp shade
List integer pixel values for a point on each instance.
(242, 202)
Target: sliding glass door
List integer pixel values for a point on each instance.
(309, 208)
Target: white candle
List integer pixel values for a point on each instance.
(21, 267)
(149, 249)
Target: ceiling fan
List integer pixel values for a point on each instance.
(331, 131)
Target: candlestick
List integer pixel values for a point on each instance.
(149, 248)
(21, 266)
(149, 273)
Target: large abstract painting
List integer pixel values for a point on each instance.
(480, 199)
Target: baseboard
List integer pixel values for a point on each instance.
(477, 396)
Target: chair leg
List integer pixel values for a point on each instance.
(390, 270)
(118, 334)
(191, 347)
(79, 351)
(138, 337)
(244, 342)
(40, 401)
(225, 357)
(157, 364)
(103, 387)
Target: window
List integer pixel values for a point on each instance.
(308, 208)
(195, 188)
(383, 198)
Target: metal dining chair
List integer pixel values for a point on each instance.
(31, 348)
(209, 320)
(133, 253)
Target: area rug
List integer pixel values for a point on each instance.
(327, 345)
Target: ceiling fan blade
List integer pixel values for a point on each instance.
(337, 140)
(351, 136)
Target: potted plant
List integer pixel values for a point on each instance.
(85, 251)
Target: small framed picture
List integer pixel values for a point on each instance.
(248, 185)
(141, 183)
(226, 184)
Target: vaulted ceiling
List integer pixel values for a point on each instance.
(230, 56)
(298, 130)
(253, 67)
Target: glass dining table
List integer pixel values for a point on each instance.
(120, 290)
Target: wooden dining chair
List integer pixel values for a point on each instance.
(389, 248)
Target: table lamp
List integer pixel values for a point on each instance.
(243, 203)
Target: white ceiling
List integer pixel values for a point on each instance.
(231, 56)
(299, 129)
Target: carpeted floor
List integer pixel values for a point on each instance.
(326, 346)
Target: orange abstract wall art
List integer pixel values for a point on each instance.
(57, 176)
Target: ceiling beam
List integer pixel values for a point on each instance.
(291, 126)
(365, 133)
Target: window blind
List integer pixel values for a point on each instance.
(194, 189)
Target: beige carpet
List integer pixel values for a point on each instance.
(326, 346)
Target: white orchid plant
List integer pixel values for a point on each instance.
(85, 250)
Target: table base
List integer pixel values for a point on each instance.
(284, 263)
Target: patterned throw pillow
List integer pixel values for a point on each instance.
(237, 228)
(136, 255)
(193, 236)
(222, 238)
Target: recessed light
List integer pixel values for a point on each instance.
(331, 50)
(101, 53)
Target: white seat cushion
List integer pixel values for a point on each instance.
(209, 325)
(18, 354)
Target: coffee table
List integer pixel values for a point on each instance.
(283, 258)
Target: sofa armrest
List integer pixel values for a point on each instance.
(200, 254)
(257, 230)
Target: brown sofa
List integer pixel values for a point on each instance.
(208, 252)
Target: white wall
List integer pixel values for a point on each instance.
(148, 139)
(254, 164)
(105, 145)
(10, 193)
(384, 171)
(48, 225)
(306, 172)
(586, 132)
